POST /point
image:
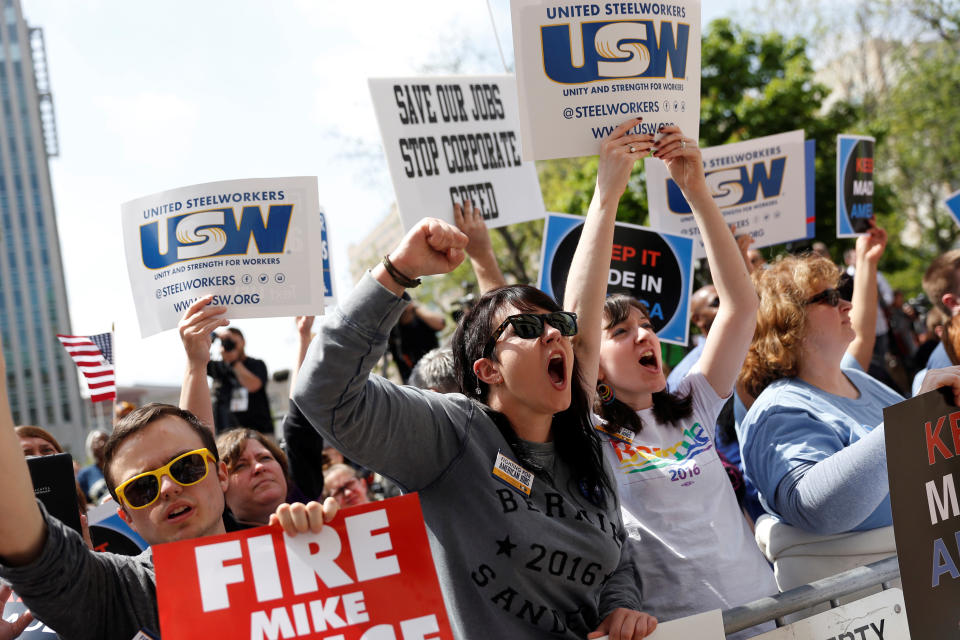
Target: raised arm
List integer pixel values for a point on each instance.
(863, 315)
(479, 248)
(197, 325)
(433, 319)
(22, 529)
(404, 433)
(732, 329)
(587, 279)
(304, 336)
(744, 241)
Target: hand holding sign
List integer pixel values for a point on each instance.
(947, 377)
(300, 518)
(682, 157)
(625, 624)
(618, 153)
(469, 220)
(195, 327)
(871, 245)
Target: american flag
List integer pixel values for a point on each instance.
(94, 357)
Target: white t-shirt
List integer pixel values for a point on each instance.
(694, 550)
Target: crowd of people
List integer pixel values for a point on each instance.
(643, 487)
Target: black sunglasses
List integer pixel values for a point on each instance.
(530, 325)
(829, 296)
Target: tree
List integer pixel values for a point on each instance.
(900, 71)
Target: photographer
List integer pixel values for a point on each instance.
(239, 386)
(413, 336)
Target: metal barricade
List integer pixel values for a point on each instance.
(881, 573)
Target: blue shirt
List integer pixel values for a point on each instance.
(938, 358)
(794, 423)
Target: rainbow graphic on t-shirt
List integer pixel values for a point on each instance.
(637, 458)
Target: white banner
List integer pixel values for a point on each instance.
(455, 138)
(760, 186)
(877, 617)
(256, 245)
(583, 69)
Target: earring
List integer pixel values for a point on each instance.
(605, 393)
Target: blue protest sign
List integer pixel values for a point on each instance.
(854, 185)
(329, 295)
(810, 148)
(953, 206)
(655, 268)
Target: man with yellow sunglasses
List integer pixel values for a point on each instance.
(161, 466)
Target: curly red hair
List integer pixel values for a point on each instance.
(784, 289)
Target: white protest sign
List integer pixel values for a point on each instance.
(878, 617)
(760, 186)
(455, 138)
(256, 245)
(703, 626)
(585, 68)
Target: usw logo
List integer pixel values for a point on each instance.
(216, 232)
(611, 50)
(733, 186)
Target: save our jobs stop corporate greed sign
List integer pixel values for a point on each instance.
(584, 68)
(368, 575)
(764, 186)
(854, 185)
(923, 460)
(655, 268)
(257, 245)
(454, 138)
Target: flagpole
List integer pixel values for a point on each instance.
(113, 413)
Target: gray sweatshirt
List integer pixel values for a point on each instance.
(547, 565)
(84, 595)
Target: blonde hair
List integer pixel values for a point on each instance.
(784, 289)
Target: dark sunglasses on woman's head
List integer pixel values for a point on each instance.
(530, 325)
(187, 469)
(828, 296)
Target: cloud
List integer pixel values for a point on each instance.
(153, 130)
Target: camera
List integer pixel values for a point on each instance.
(229, 344)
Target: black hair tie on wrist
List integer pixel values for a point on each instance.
(399, 278)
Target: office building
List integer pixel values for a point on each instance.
(41, 379)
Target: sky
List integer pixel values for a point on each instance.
(154, 96)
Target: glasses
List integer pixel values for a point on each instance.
(530, 325)
(829, 296)
(352, 485)
(187, 469)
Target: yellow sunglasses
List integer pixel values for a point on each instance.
(187, 469)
